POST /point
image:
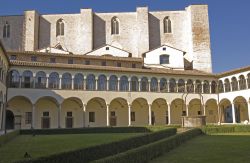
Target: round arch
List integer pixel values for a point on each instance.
(225, 112)
(159, 112)
(195, 107)
(241, 109)
(177, 109)
(118, 112)
(211, 109)
(139, 112)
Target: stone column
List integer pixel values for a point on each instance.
(168, 85)
(194, 86)
(187, 114)
(129, 84)
(47, 81)
(107, 86)
(118, 84)
(60, 81)
(210, 87)
(139, 85)
(246, 84)
(149, 85)
(20, 81)
(185, 87)
(129, 114)
(107, 114)
(33, 116)
(34, 80)
(1, 115)
(96, 83)
(169, 114)
(224, 88)
(177, 86)
(159, 85)
(149, 115)
(83, 116)
(202, 89)
(204, 110)
(84, 83)
(238, 82)
(72, 83)
(59, 115)
(233, 113)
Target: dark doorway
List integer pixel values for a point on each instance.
(9, 120)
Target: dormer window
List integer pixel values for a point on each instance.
(164, 59)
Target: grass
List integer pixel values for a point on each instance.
(230, 147)
(42, 145)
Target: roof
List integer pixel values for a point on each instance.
(4, 52)
(109, 68)
(105, 57)
(235, 71)
(162, 46)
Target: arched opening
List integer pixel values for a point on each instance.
(198, 86)
(248, 80)
(181, 85)
(72, 113)
(220, 87)
(172, 85)
(159, 115)
(144, 84)
(118, 112)
(9, 120)
(60, 27)
(102, 83)
(27, 79)
(124, 86)
(113, 83)
(90, 82)
(206, 88)
(139, 112)
(241, 109)
(226, 115)
(114, 26)
(96, 113)
(14, 79)
(163, 85)
(177, 109)
(234, 83)
(167, 25)
(66, 81)
(242, 82)
(195, 107)
(190, 86)
(227, 85)
(154, 85)
(211, 109)
(78, 82)
(21, 107)
(47, 112)
(40, 81)
(213, 87)
(134, 84)
(54, 80)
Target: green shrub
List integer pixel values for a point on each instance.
(225, 129)
(152, 150)
(8, 137)
(105, 150)
(85, 130)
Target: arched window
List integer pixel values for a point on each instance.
(242, 82)
(164, 59)
(234, 83)
(220, 87)
(154, 85)
(163, 85)
(40, 80)
(181, 85)
(6, 30)
(124, 83)
(144, 84)
(66, 81)
(190, 86)
(227, 85)
(113, 83)
(14, 79)
(248, 80)
(114, 26)
(78, 82)
(172, 85)
(90, 82)
(206, 88)
(198, 86)
(54, 80)
(134, 84)
(27, 81)
(213, 87)
(102, 83)
(167, 25)
(59, 27)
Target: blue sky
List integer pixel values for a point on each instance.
(229, 21)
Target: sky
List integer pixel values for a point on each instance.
(229, 21)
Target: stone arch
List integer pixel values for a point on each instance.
(78, 81)
(242, 82)
(14, 78)
(54, 80)
(190, 86)
(102, 82)
(96, 112)
(163, 85)
(118, 112)
(90, 82)
(225, 112)
(27, 79)
(234, 83)
(124, 86)
(46, 109)
(134, 86)
(21, 107)
(177, 109)
(195, 107)
(66, 81)
(144, 84)
(113, 83)
(227, 85)
(206, 88)
(181, 85)
(159, 113)
(211, 109)
(154, 85)
(140, 109)
(241, 109)
(72, 113)
(41, 79)
(172, 85)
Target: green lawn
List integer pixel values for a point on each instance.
(233, 147)
(42, 145)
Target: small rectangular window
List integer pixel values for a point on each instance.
(87, 62)
(103, 63)
(70, 61)
(164, 59)
(119, 64)
(112, 114)
(132, 116)
(46, 114)
(13, 57)
(69, 114)
(133, 65)
(107, 48)
(28, 117)
(33, 58)
(91, 116)
(52, 60)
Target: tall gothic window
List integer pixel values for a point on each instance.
(59, 27)
(6, 30)
(167, 25)
(114, 26)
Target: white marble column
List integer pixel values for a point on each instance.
(96, 84)
(149, 85)
(139, 85)
(107, 84)
(47, 81)
(72, 83)
(59, 115)
(187, 114)
(202, 89)
(129, 84)
(169, 114)
(233, 113)
(84, 83)
(159, 85)
(118, 84)
(83, 115)
(33, 116)
(168, 85)
(129, 114)
(20, 81)
(107, 114)
(149, 115)
(204, 110)
(60, 82)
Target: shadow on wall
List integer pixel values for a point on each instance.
(154, 32)
(44, 33)
(99, 32)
